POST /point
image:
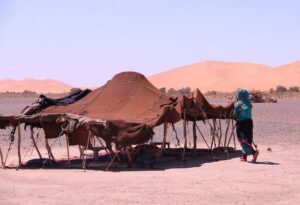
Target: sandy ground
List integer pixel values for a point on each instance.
(274, 179)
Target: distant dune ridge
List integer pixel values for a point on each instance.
(39, 86)
(228, 76)
(206, 75)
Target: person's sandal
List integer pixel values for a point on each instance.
(255, 155)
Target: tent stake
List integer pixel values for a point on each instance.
(19, 145)
(34, 143)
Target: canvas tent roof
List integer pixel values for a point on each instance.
(128, 96)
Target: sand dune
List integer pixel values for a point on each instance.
(228, 76)
(39, 86)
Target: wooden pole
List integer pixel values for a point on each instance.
(112, 160)
(80, 151)
(160, 153)
(226, 133)
(85, 148)
(34, 143)
(106, 149)
(213, 130)
(202, 136)
(2, 161)
(68, 151)
(184, 133)
(165, 135)
(195, 137)
(19, 145)
(220, 132)
(49, 150)
(129, 156)
(232, 134)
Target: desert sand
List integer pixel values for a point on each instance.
(274, 179)
(228, 76)
(39, 86)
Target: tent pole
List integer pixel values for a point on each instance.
(202, 136)
(19, 144)
(112, 160)
(9, 147)
(231, 134)
(233, 127)
(1, 157)
(85, 148)
(34, 143)
(80, 151)
(163, 146)
(165, 135)
(226, 132)
(184, 134)
(220, 132)
(49, 149)
(129, 155)
(68, 151)
(213, 135)
(195, 137)
(106, 150)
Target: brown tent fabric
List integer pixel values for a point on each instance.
(129, 105)
(128, 96)
(197, 107)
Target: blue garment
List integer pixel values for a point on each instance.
(243, 108)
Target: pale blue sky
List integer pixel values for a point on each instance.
(84, 43)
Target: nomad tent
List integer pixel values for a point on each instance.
(124, 111)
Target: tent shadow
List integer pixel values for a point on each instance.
(267, 163)
(172, 159)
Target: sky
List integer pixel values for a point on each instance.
(85, 43)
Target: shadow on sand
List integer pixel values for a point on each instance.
(172, 158)
(267, 163)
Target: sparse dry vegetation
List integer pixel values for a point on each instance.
(279, 92)
(31, 94)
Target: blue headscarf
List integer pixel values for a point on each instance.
(242, 108)
(243, 95)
